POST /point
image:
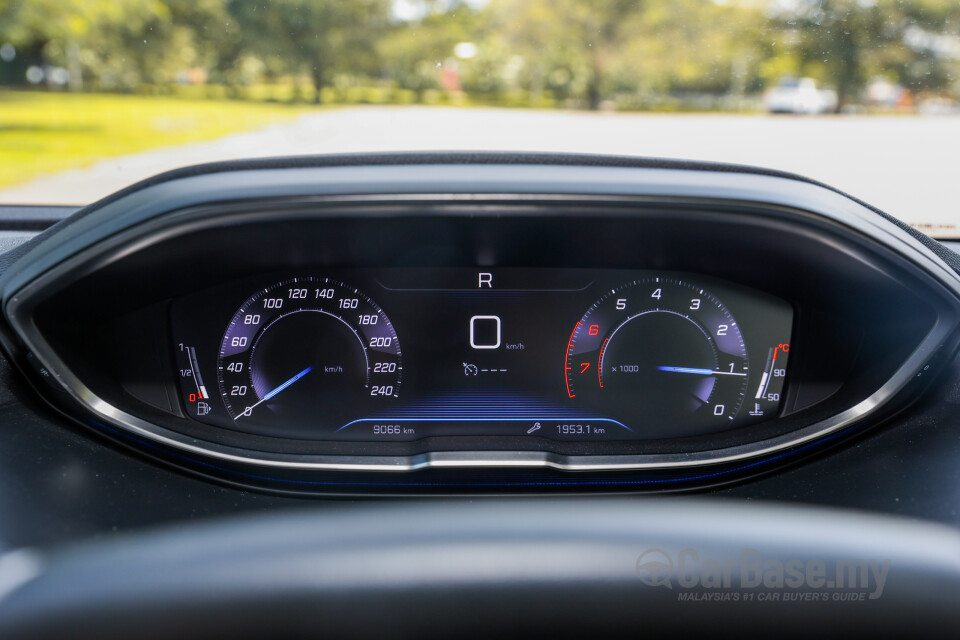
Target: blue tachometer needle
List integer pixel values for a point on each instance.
(699, 372)
(283, 386)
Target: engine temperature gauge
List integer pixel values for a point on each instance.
(770, 388)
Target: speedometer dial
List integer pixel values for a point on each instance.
(307, 355)
(656, 353)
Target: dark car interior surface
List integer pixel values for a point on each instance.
(465, 395)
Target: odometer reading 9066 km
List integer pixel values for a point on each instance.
(305, 356)
(660, 355)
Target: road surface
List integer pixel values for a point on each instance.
(908, 166)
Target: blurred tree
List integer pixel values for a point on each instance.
(414, 51)
(122, 44)
(582, 38)
(319, 37)
(836, 38)
(609, 48)
(847, 42)
(585, 50)
(68, 32)
(201, 34)
(926, 55)
(692, 46)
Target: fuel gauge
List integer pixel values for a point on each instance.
(192, 390)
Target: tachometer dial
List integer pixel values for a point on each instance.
(661, 351)
(307, 353)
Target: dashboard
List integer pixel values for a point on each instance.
(206, 375)
(306, 337)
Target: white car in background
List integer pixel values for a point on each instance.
(799, 95)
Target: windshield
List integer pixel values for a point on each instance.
(860, 94)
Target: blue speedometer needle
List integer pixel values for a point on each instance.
(286, 384)
(699, 372)
(277, 390)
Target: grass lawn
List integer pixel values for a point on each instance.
(48, 132)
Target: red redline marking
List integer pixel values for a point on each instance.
(600, 363)
(566, 378)
(774, 361)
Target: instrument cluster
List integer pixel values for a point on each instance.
(404, 354)
(401, 328)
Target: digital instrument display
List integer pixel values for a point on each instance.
(404, 354)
